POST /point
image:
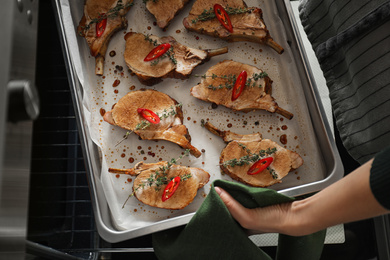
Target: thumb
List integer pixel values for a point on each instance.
(239, 212)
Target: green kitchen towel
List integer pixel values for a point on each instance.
(213, 233)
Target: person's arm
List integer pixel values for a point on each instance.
(349, 199)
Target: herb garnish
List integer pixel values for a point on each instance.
(172, 112)
(144, 124)
(273, 173)
(159, 177)
(231, 79)
(210, 14)
(251, 158)
(113, 12)
(170, 54)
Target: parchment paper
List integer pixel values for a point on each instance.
(100, 96)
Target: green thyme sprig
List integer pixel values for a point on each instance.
(243, 146)
(230, 77)
(171, 112)
(273, 173)
(209, 14)
(145, 124)
(255, 77)
(113, 12)
(160, 178)
(147, 38)
(140, 126)
(229, 83)
(170, 54)
(231, 80)
(251, 158)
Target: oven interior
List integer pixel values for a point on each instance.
(61, 222)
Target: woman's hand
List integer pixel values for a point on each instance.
(271, 219)
(349, 199)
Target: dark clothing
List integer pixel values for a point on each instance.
(351, 40)
(380, 177)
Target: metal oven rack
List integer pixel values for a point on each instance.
(60, 214)
(61, 224)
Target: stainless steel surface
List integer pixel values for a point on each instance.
(18, 23)
(6, 20)
(322, 130)
(15, 188)
(23, 101)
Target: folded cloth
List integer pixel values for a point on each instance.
(213, 233)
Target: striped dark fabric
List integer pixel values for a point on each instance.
(351, 40)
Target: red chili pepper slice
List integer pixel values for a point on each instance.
(149, 115)
(239, 85)
(260, 166)
(101, 26)
(171, 188)
(157, 52)
(223, 17)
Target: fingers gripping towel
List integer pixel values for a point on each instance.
(213, 233)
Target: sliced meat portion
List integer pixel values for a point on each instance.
(178, 62)
(192, 179)
(247, 22)
(217, 84)
(164, 10)
(109, 16)
(170, 128)
(245, 147)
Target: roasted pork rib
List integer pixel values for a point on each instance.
(109, 16)
(170, 128)
(164, 10)
(216, 87)
(247, 22)
(240, 148)
(177, 63)
(151, 195)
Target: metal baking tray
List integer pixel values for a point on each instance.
(330, 159)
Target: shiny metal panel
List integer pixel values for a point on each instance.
(15, 188)
(18, 23)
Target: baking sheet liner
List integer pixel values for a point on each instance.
(100, 96)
